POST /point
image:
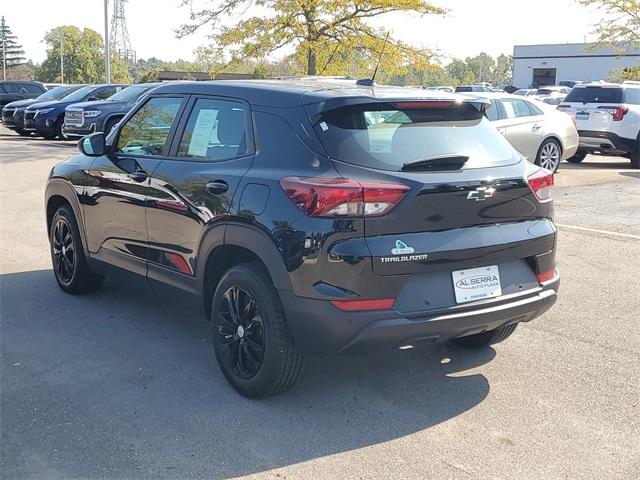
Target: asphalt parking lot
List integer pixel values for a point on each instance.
(123, 384)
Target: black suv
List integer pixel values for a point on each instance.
(81, 119)
(12, 90)
(311, 217)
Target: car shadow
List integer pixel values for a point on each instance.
(595, 165)
(123, 383)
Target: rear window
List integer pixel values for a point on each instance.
(595, 95)
(386, 136)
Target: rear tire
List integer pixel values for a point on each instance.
(70, 266)
(549, 155)
(487, 338)
(249, 333)
(578, 157)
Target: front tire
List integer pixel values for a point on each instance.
(60, 130)
(23, 133)
(486, 338)
(549, 155)
(67, 255)
(249, 332)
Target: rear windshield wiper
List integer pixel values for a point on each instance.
(443, 162)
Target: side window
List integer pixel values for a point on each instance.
(492, 112)
(632, 96)
(104, 93)
(12, 88)
(515, 108)
(31, 88)
(146, 132)
(216, 130)
(533, 109)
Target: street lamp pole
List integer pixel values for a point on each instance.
(4, 57)
(107, 53)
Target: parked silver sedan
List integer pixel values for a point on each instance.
(538, 131)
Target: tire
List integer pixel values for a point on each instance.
(254, 348)
(549, 155)
(59, 130)
(110, 124)
(23, 133)
(487, 338)
(71, 270)
(578, 157)
(635, 155)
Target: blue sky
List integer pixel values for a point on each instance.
(472, 26)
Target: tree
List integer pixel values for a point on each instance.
(83, 57)
(10, 47)
(483, 67)
(503, 74)
(328, 35)
(620, 25)
(461, 72)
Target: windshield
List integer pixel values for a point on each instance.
(57, 93)
(387, 136)
(129, 94)
(79, 95)
(595, 95)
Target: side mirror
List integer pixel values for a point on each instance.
(93, 145)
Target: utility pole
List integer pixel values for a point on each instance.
(4, 57)
(61, 57)
(107, 48)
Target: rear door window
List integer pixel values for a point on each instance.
(595, 95)
(216, 130)
(388, 135)
(492, 112)
(32, 88)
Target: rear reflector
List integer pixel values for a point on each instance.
(546, 276)
(540, 183)
(341, 197)
(364, 305)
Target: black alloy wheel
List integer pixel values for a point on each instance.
(64, 251)
(241, 329)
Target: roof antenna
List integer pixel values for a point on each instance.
(371, 82)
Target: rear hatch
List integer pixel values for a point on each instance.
(593, 107)
(468, 202)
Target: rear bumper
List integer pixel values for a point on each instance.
(606, 142)
(320, 328)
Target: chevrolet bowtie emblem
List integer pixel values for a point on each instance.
(480, 194)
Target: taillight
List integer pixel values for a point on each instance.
(341, 197)
(617, 113)
(364, 305)
(546, 276)
(540, 183)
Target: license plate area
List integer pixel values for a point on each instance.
(476, 283)
(582, 116)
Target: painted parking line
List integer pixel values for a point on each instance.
(595, 230)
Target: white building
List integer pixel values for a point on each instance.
(535, 65)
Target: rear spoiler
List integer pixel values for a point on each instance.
(314, 110)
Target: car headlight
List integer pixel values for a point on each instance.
(43, 110)
(92, 113)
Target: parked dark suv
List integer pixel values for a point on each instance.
(47, 119)
(13, 113)
(81, 119)
(12, 90)
(311, 217)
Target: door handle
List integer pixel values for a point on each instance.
(138, 176)
(217, 187)
(537, 126)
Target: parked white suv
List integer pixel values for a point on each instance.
(607, 116)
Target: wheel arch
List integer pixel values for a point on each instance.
(59, 193)
(226, 245)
